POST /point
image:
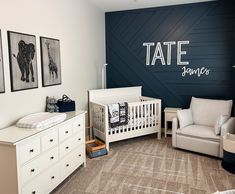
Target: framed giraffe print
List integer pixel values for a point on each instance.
(50, 59)
(2, 84)
(23, 61)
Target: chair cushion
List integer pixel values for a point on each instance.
(199, 131)
(206, 111)
(185, 117)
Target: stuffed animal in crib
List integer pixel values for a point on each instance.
(51, 104)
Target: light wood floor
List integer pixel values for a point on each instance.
(147, 165)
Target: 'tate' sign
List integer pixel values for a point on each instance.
(158, 55)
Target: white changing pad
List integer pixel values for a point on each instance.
(41, 120)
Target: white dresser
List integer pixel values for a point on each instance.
(35, 162)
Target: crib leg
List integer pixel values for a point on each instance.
(159, 133)
(107, 146)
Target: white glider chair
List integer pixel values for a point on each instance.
(202, 126)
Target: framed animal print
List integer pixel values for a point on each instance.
(2, 84)
(50, 59)
(23, 61)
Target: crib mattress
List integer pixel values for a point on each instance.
(41, 120)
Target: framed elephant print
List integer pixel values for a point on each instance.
(2, 84)
(50, 59)
(23, 61)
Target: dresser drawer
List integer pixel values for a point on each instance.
(29, 150)
(170, 116)
(65, 131)
(49, 140)
(78, 124)
(71, 143)
(71, 162)
(35, 187)
(79, 157)
(51, 178)
(43, 183)
(36, 166)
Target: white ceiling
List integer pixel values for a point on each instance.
(118, 5)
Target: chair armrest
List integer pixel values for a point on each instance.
(175, 123)
(174, 129)
(228, 127)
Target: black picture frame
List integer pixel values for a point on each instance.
(2, 79)
(50, 61)
(22, 61)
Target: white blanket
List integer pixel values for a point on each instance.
(41, 120)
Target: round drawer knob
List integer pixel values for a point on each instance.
(31, 150)
(79, 125)
(51, 140)
(67, 148)
(67, 165)
(79, 139)
(79, 155)
(66, 131)
(52, 177)
(33, 192)
(32, 170)
(52, 157)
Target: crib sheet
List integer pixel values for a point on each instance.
(137, 122)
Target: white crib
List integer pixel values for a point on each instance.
(144, 114)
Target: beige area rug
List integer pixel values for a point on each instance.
(147, 165)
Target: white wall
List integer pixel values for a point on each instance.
(79, 26)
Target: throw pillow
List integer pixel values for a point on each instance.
(185, 117)
(219, 122)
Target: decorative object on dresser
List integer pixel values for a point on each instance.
(170, 113)
(50, 59)
(40, 120)
(65, 104)
(2, 83)
(144, 114)
(36, 161)
(201, 135)
(228, 161)
(51, 104)
(23, 61)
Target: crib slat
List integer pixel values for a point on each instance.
(145, 116)
(135, 116)
(129, 116)
(138, 116)
(141, 112)
(148, 112)
(142, 116)
(100, 119)
(151, 115)
(156, 114)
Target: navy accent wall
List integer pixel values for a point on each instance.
(210, 28)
